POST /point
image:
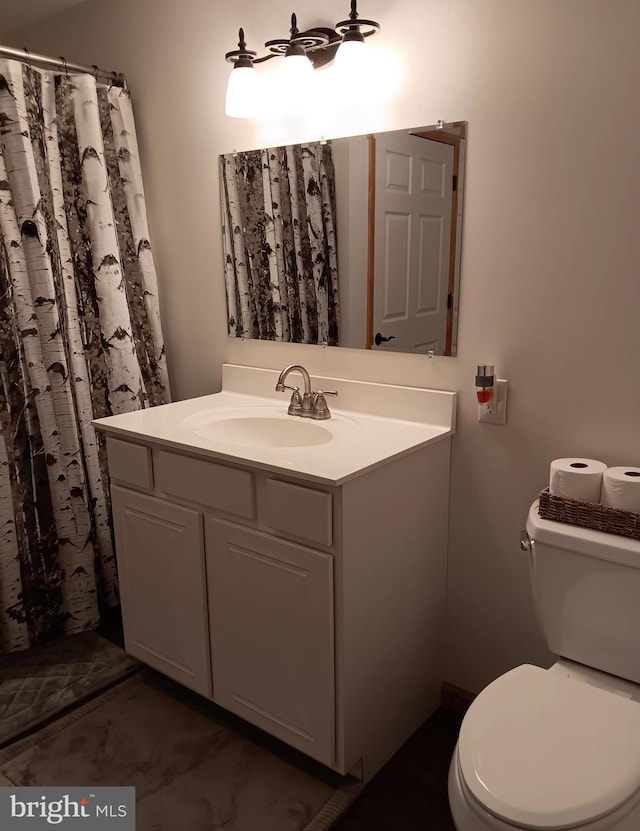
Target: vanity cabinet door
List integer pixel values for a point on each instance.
(271, 618)
(160, 554)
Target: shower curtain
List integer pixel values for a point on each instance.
(80, 338)
(279, 243)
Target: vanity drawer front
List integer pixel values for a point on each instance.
(218, 486)
(130, 463)
(300, 511)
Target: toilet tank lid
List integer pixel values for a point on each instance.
(544, 751)
(604, 546)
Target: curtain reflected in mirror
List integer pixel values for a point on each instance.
(353, 242)
(279, 231)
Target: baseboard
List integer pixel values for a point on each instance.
(455, 699)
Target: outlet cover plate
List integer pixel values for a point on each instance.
(495, 412)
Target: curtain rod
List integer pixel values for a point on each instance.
(24, 55)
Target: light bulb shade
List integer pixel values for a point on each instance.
(295, 70)
(244, 98)
(354, 75)
(364, 75)
(295, 84)
(351, 57)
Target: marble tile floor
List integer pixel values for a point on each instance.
(408, 794)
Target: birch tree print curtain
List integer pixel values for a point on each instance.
(279, 242)
(80, 338)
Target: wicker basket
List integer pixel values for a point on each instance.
(589, 515)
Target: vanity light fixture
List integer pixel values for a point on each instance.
(302, 52)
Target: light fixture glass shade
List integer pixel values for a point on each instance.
(244, 99)
(351, 56)
(295, 84)
(354, 73)
(364, 75)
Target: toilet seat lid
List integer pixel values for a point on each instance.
(542, 750)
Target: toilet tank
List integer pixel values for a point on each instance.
(586, 593)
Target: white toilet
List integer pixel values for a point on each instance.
(559, 748)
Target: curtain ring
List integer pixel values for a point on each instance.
(28, 57)
(95, 72)
(65, 68)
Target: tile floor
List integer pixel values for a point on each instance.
(408, 794)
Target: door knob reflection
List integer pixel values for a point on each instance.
(379, 338)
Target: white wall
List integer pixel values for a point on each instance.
(550, 282)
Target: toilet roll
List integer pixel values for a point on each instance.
(621, 488)
(577, 478)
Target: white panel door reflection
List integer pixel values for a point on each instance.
(413, 196)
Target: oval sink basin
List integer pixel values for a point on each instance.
(252, 431)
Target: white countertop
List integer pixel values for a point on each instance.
(360, 440)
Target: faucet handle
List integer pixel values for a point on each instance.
(295, 405)
(320, 410)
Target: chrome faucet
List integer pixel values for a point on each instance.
(311, 404)
(300, 405)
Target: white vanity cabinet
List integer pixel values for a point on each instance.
(291, 571)
(313, 611)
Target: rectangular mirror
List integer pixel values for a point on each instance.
(351, 242)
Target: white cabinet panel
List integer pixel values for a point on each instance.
(272, 639)
(163, 587)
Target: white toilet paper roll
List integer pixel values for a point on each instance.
(621, 488)
(577, 478)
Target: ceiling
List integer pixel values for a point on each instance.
(15, 15)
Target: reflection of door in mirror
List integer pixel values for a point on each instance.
(412, 241)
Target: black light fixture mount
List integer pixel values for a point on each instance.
(318, 44)
(299, 43)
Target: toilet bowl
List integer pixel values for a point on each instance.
(541, 750)
(559, 748)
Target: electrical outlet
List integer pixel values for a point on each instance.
(495, 412)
